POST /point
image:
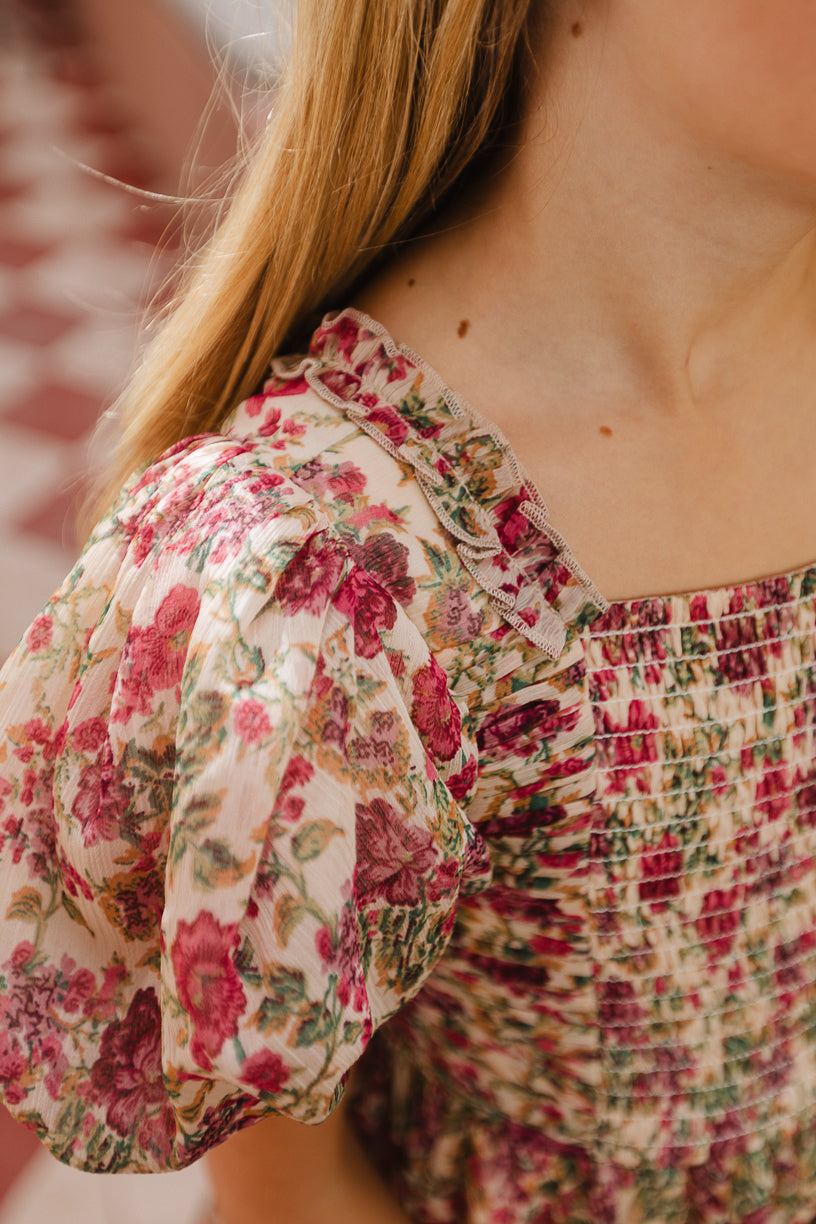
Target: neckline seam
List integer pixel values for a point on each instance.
(725, 590)
(463, 410)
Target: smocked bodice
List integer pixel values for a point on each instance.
(636, 987)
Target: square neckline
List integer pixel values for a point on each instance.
(463, 407)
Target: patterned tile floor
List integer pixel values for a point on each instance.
(76, 256)
(76, 259)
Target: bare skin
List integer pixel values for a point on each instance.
(282, 1172)
(639, 290)
(632, 301)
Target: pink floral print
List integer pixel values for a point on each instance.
(208, 984)
(328, 752)
(393, 855)
(127, 1076)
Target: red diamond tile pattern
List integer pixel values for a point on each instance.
(69, 242)
(64, 350)
(60, 411)
(91, 121)
(18, 253)
(35, 325)
(10, 190)
(130, 171)
(54, 519)
(149, 226)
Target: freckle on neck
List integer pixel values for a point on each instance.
(411, 282)
(463, 328)
(606, 431)
(577, 29)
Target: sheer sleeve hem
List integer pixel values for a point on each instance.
(229, 851)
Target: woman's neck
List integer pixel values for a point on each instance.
(615, 253)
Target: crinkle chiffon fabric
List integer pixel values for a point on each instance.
(328, 750)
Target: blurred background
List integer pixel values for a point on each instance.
(106, 106)
(93, 88)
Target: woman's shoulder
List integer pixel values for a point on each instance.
(351, 468)
(355, 449)
(290, 543)
(232, 784)
(238, 753)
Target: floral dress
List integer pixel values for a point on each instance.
(327, 750)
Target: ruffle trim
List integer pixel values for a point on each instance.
(466, 470)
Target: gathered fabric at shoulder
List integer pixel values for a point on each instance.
(229, 852)
(466, 469)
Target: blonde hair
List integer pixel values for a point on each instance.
(383, 106)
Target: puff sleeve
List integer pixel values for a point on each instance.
(229, 851)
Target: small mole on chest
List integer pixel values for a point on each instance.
(577, 29)
(463, 328)
(606, 431)
(411, 282)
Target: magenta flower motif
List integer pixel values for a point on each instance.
(208, 984)
(102, 799)
(384, 557)
(369, 608)
(389, 420)
(251, 720)
(265, 1071)
(661, 869)
(343, 954)
(346, 481)
(89, 736)
(127, 1076)
(153, 658)
(392, 855)
(521, 730)
(13, 1064)
(40, 634)
(435, 713)
(310, 577)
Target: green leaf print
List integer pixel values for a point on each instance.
(215, 866)
(73, 911)
(312, 839)
(26, 905)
